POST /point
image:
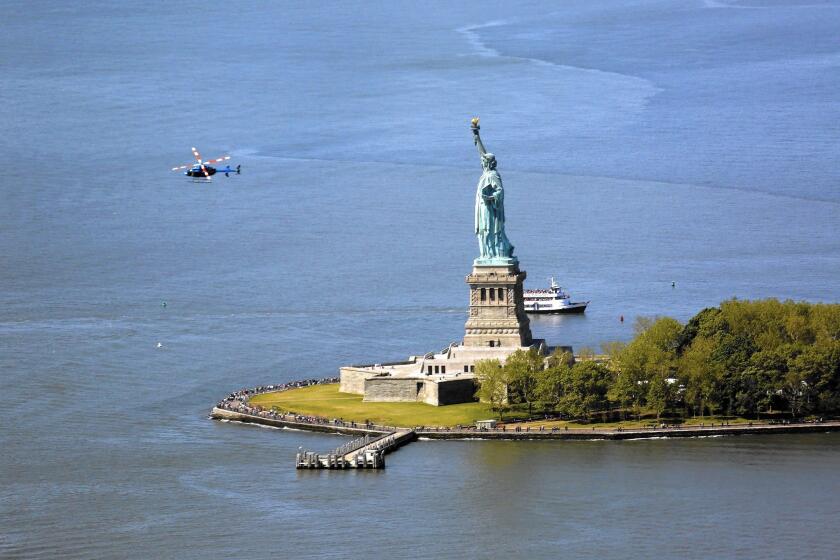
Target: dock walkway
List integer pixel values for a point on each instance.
(365, 452)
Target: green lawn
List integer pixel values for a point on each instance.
(326, 401)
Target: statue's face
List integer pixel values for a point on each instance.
(488, 163)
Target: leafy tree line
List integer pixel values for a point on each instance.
(743, 358)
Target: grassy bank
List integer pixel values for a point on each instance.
(326, 401)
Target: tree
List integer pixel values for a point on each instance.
(651, 353)
(613, 349)
(549, 388)
(584, 389)
(823, 361)
(743, 357)
(731, 355)
(623, 391)
(493, 385)
(550, 385)
(692, 328)
(628, 388)
(662, 333)
(758, 383)
(522, 369)
(797, 391)
(560, 357)
(660, 393)
(586, 353)
(826, 322)
(702, 376)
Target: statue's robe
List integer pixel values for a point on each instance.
(490, 216)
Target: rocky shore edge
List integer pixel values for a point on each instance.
(235, 407)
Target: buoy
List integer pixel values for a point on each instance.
(163, 304)
(159, 345)
(673, 284)
(621, 318)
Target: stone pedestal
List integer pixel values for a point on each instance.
(497, 311)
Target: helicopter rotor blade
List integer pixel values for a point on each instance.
(182, 167)
(203, 170)
(217, 160)
(197, 155)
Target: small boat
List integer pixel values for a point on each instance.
(552, 300)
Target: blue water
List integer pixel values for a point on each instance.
(641, 143)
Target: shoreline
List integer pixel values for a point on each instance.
(235, 407)
(279, 421)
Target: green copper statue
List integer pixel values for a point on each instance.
(494, 246)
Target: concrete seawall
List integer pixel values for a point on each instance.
(574, 434)
(222, 414)
(582, 434)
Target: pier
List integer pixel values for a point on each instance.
(366, 452)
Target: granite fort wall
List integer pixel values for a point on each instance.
(353, 380)
(391, 389)
(414, 389)
(455, 391)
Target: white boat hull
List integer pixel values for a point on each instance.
(545, 308)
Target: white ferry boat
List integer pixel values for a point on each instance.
(552, 300)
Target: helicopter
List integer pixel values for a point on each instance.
(202, 170)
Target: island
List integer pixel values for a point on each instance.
(742, 367)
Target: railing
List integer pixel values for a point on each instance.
(357, 443)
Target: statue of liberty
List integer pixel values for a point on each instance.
(494, 246)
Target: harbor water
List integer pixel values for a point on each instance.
(641, 143)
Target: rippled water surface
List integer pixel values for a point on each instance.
(640, 143)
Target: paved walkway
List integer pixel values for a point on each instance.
(509, 432)
(384, 444)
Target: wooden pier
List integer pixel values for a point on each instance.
(366, 452)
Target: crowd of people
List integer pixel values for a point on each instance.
(243, 395)
(239, 401)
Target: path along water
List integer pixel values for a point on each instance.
(381, 439)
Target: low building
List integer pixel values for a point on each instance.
(496, 328)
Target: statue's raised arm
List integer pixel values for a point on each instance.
(477, 137)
